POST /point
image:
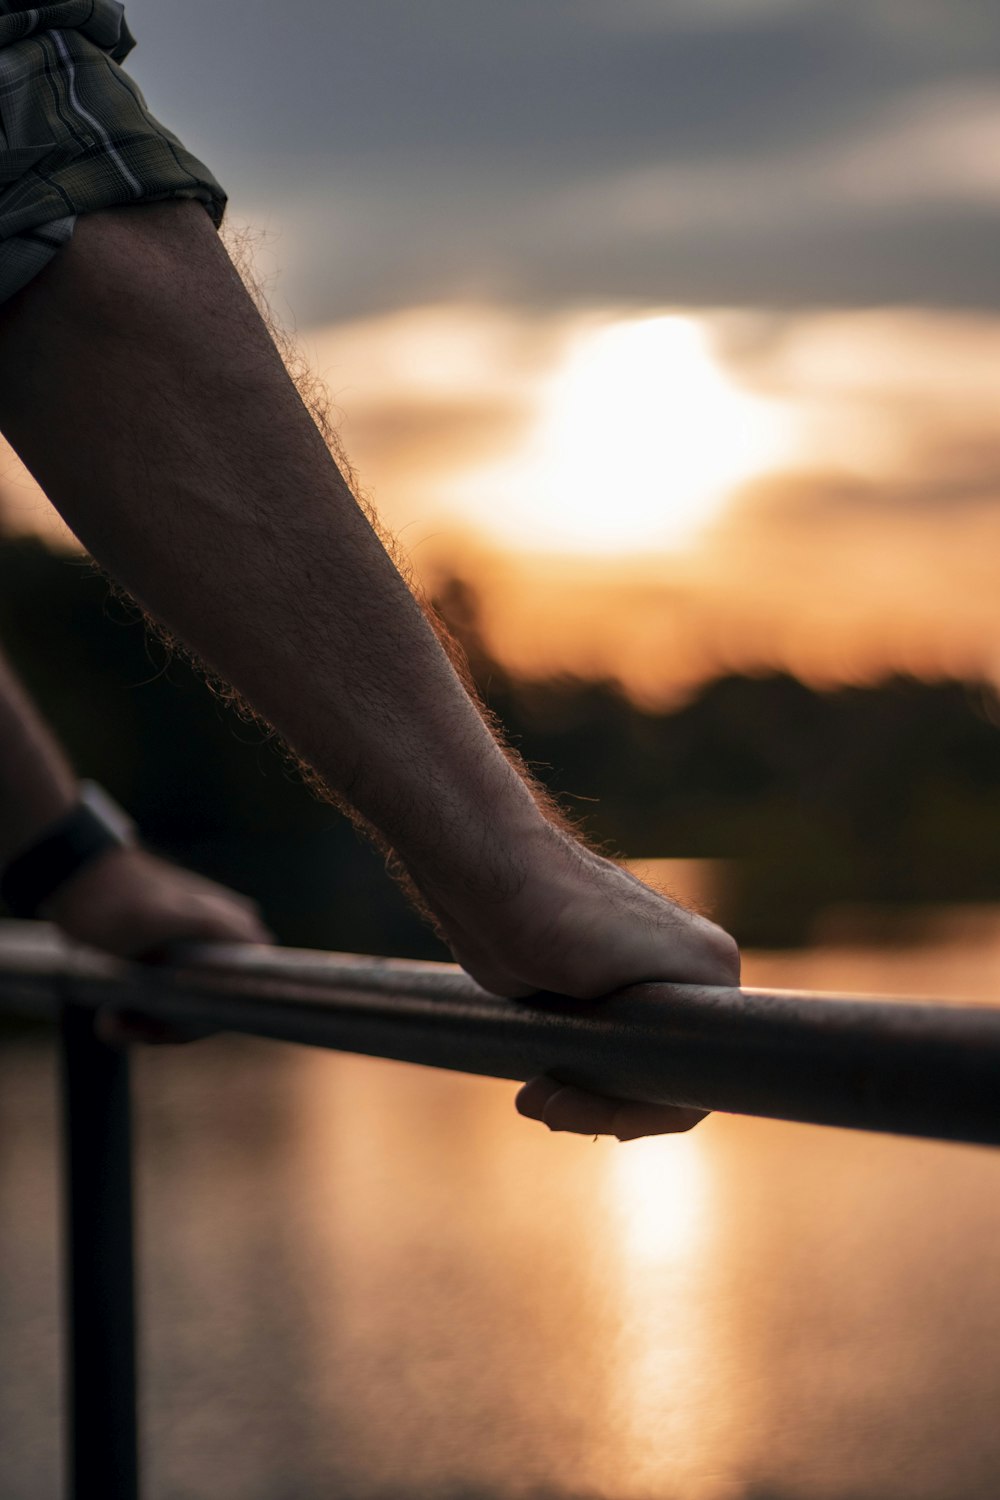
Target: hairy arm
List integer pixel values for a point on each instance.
(140, 385)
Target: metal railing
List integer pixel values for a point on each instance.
(903, 1066)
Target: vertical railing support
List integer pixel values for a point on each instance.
(102, 1448)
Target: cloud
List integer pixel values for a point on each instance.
(873, 550)
(425, 392)
(875, 553)
(652, 16)
(817, 153)
(872, 547)
(894, 396)
(941, 148)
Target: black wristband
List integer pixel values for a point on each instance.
(95, 824)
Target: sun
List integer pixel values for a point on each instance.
(640, 439)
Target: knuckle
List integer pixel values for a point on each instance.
(727, 957)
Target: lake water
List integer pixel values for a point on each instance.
(366, 1280)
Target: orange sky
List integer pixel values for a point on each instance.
(865, 543)
(659, 496)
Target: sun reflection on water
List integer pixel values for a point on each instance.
(661, 1193)
(662, 1209)
(373, 1280)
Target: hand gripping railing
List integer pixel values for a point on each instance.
(909, 1067)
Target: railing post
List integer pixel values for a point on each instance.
(102, 1449)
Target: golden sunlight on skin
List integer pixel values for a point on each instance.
(639, 442)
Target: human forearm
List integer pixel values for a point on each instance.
(225, 515)
(189, 466)
(37, 782)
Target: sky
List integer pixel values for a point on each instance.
(557, 152)
(676, 324)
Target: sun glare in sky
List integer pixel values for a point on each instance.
(639, 441)
(658, 496)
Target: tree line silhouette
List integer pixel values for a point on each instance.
(884, 794)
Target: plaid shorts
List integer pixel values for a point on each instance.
(75, 133)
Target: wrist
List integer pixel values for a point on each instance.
(453, 812)
(482, 881)
(102, 883)
(25, 822)
(63, 848)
